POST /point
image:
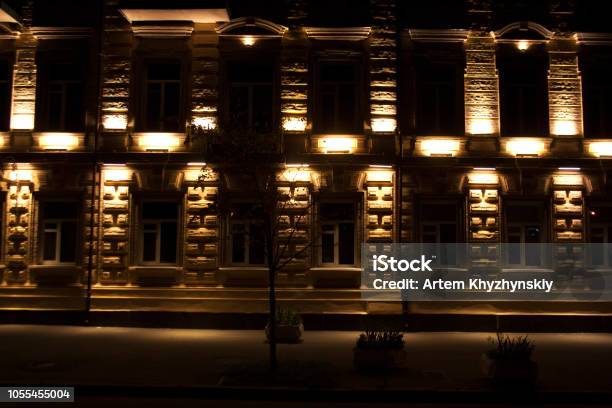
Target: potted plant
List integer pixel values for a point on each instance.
(289, 326)
(509, 360)
(379, 349)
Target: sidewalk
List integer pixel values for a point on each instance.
(108, 356)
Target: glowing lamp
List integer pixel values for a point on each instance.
(567, 180)
(527, 147)
(481, 127)
(383, 125)
(1, 141)
(116, 172)
(483, 177)
(294, 124)
(294, 174)
(380, 175)
(205, 122)
(440, 147)
(22, 121)
(20, 175)
(248, 40)
(564, 128)
(58, 141)
(338, 144)
(522, 45)
(601, 149)
(115, 122)
(159, 141)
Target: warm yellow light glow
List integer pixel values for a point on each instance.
(22, 121)
(523, 45)
(338, 144)
(380, 175)
(601, 149)
(567, 180)
(294, 124)
(481, 126)
(1, 141)
(440, 147)
(296, 174)
(115, 122)
(196, 164)
(297, 165)
(483, 177)
(206, 122)
(58, 141)
(117, 173)
(248, 40)
(564, 128)
(383, 125)
(525, 147)
(159, 141)
(20, 175)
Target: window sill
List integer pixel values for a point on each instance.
(336, 268)
(155, 275)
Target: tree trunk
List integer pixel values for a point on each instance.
(272, 294)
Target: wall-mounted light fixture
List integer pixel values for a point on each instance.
(117, 121)
(248, 40)
(383, 125)
(294, 124)
(334, 144)
(440, 147)
(116, 172)
(58, 141)
(524, 147)
(205, 122)
(601, 149)
(158, 141)
(523, 45)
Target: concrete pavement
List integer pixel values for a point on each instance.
(71, 355)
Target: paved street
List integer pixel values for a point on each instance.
(68, 355)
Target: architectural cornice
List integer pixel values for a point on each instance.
(251, 22)
(56, 33)
(594, 38)
(449, 35)
(524, 26)
(338, 33)
(170, 30)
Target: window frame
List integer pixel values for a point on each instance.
(544, 224)
(357, 204)
(606, 238)
(158, 230)
(78, 224)
(248, 223)
(145, 95)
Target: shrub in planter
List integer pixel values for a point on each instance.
(509, 360)
(289, 326)
(379, 349)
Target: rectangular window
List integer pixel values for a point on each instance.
(159, 232)
(337, 108)
(597, 94)
(251, 96)
(5, 94)
(64, 99)
(337, 233)
(59, 225)
(524, 94)
(438, 100)
(246, 235)
(439, 225)
(600, 235)
(525, 233)
(163, 97)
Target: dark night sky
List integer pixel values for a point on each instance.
(589, 14)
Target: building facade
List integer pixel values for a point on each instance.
(457, 121)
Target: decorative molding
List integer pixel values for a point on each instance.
(254, 22)
(7, 32)
(180, 29)
(338, 33)
(61, 33)
(594, 38)
(450, 35)
(524, 26)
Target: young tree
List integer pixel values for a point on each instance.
(280, 199)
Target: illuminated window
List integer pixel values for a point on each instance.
(337, 102)
(59, 231)
(439, 99)
(337, 233)
(600, 235)
(61, 102)
(246, 235)
(251, 96)
(159, 232)
(525, 232)
(5, 94)
(163, 97)
(523, 92)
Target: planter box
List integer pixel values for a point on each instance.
(509, 371)
(55, 275)
(286, 333)
(378, 359)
